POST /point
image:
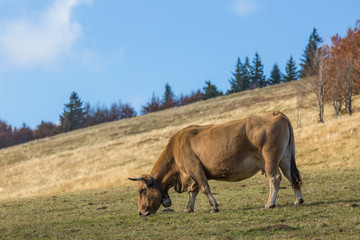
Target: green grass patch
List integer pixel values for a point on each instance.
(331, 211)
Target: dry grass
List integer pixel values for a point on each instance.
(105, 155)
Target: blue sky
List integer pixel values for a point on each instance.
(111, 50)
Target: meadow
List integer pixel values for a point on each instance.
(74, 185)
(331, 211)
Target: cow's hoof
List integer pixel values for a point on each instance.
(269, 206)
(298, 202)
(214, 210)
(188, 210)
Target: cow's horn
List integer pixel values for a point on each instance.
(137, 179)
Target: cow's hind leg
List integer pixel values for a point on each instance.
(192, 196)
(197, 174)
(285, 166)
(274, 177)
(272, 159)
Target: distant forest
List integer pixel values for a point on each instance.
(335, 69)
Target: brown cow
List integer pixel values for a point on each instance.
(232, 151)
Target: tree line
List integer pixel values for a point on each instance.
(169, 100)
(249, 76)
(335, 72)
(76, 115)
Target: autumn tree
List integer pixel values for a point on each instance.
(334, 93)
(343, 70)
(153, 105)
(126, 111)
(307, 64)
(351, 66)
(44, 129)
(102, 113)
(194, 96)
(118, 111)
(6, 135)
(275, 75)
(23, 134)
(290, 70)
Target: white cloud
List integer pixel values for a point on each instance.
(244, 7)
(26, 42)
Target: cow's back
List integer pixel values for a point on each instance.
(231, 151)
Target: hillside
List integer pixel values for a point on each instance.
(107, 154)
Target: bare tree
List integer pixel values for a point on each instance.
(299, 96)
(335, 96)
(321, 82)
(316, 83)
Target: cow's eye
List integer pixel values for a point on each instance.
(141, 191)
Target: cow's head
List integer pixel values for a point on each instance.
(150, 195)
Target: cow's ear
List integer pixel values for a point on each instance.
(148, 182)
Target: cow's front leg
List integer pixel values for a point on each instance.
(204, 187)
(212, 201)
(192, 196)
(195, 169)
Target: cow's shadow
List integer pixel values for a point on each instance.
(345, 203)
(349, 202)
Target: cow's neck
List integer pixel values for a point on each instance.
(164, 171)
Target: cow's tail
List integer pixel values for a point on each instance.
(295, 174)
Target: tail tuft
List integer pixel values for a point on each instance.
(295, 175)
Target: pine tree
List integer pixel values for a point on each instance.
(241, 77)
(210, 90)
(73, 116)
(275, 75)
(290, 69)
(309, 55)
(246, 74)
(257, 73)
(235, 82)
(168, 99)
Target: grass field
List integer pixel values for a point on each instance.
(75, 185)
(331, 211)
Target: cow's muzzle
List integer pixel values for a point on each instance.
(148, 213)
